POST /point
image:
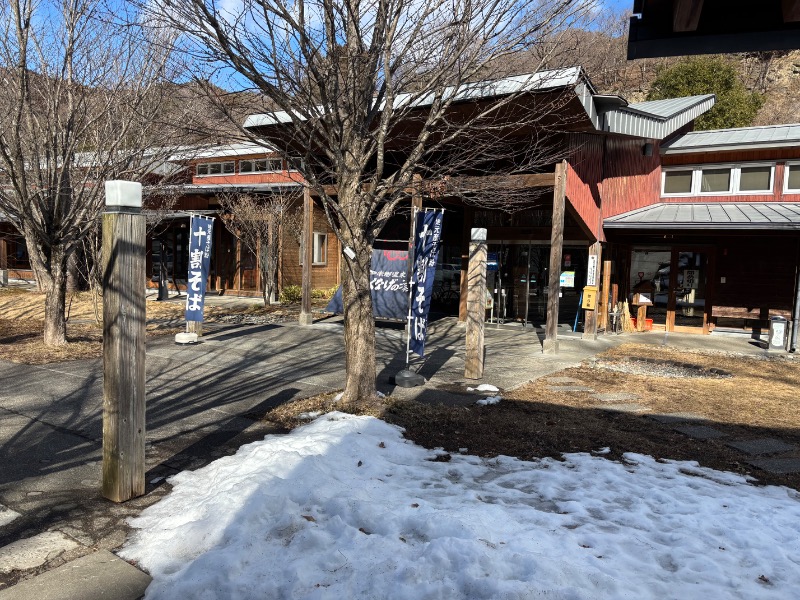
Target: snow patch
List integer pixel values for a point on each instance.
(320, 513)
(489, 400)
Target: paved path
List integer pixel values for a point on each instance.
(203, 402)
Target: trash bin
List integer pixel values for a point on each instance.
(777, 333)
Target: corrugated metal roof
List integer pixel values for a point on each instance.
(709, 215)
(656, 119)
(542, 80)
(769, 136)
(668, 107)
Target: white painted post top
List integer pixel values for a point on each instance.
(127, 194)
(478, 234)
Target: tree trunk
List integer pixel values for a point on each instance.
(55, 326)
(359, 327)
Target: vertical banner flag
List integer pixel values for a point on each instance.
(199, 258)
(427, 233)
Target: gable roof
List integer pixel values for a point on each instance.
(655, 119)
(709, 215)
(768, 136)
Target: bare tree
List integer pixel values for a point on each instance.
(259, 222)
(369, 93)
(81, 101)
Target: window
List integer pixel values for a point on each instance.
(295, 163)
(755, 179)
(715, 180)
(261, 165)
(215, 168)
(793, 178)
(678, 182)
(319, 251)
(751, 179)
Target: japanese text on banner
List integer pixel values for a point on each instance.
(427, 234)
(200, 236)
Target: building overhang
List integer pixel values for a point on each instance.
(709, 216)
(681, 27)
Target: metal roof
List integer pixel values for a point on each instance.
(656, 119)
(769, 136)
(542, 80)
(709, 215)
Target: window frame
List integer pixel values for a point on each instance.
(324, 246)
(220, 164)
(786, 188)
(268, 162)
(735, 179)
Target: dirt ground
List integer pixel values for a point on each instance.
(758, 400)
(22, 324)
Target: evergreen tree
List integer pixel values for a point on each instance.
(736, 106)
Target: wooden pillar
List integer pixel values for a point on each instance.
(476, 304)
(605, 288)
(556, 246)
(308, 256)
(469, 219)
(195, 327)
(590, 317)
(123, 341)
(3, 262)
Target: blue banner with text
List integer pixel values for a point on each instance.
(200, 236)
(427, 234)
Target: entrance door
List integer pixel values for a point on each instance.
(688, 280)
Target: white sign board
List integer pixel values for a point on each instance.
(567, 279)
(591, 271)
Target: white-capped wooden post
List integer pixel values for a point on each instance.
(123, 341)
(308, 257)
(476, 304)
(550, 344)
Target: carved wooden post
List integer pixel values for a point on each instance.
(308, 256)
(550, 344)
(123, 341)
(476, 304)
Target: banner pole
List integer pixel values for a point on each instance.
(411, 257)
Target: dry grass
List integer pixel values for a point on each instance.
(533, 421)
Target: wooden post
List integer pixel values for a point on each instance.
(308, 256)
(556, 246)
(3, 262)
(604, 293)
(590, 316)
(195, 327)
(123, 341)
(476, 304)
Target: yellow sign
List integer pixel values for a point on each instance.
(589, 298)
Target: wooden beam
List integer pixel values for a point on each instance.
(467, 184)
(686, 15)
(605, 288)
(791, 11)
(308, 256)
(550, 344)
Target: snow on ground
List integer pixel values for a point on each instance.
(489, 400)
(344, 507)
(7, 515)
(484, 387)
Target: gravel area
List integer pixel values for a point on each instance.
(256, 319)
(661, 368)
